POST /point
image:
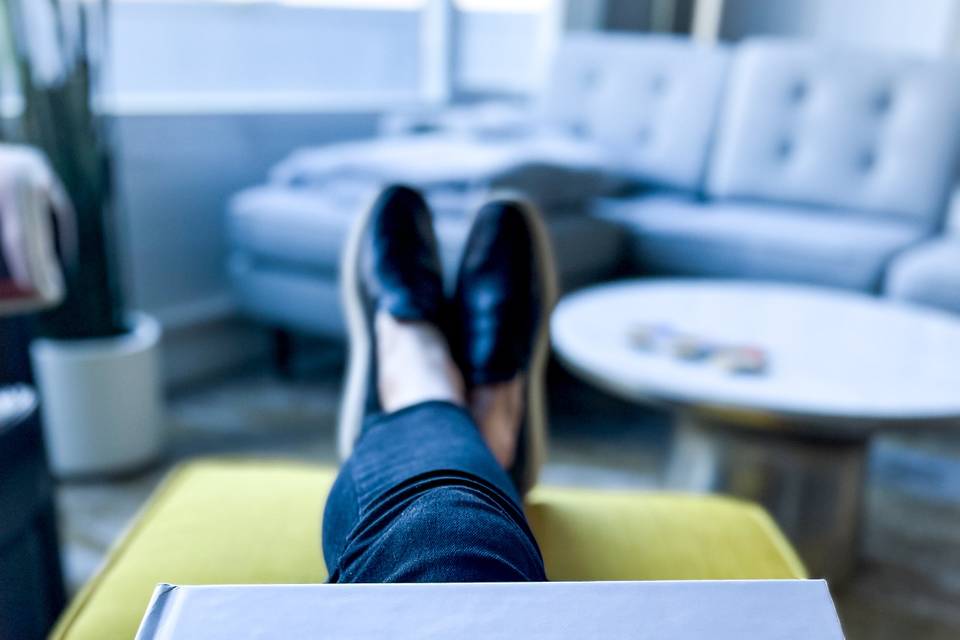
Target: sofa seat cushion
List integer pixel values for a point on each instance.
(928, 274)
(681, 236)
(303, 229)
(236, 522)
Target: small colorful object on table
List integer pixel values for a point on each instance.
(662, 338)
(692, 348)
(746, 360)
(652, 337)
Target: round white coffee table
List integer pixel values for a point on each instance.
(794, 437)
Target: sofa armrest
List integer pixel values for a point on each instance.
(486, 120)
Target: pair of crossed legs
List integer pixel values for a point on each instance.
(450, 433)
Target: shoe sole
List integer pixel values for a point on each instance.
(360, 347)
(536, 433)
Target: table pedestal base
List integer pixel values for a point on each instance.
(812, 486)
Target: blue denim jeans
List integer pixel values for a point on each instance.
(422, 499)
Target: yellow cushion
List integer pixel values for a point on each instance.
(235, 522)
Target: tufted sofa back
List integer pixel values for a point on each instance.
(652, 101)
(808, 124)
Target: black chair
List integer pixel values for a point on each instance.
(32, 593)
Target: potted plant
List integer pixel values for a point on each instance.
(96, 366)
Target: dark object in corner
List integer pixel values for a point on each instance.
(282, 353)
(31, 582)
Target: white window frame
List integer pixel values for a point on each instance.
(438, 35)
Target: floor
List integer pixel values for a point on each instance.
(907, 585)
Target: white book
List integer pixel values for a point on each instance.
(718, 610)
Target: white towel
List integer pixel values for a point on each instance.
(30, 195)
(551, 169)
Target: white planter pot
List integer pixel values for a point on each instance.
(101, 404)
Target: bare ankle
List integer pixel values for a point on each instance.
(414, 364)
(498, 410)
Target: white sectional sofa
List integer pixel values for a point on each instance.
(826, 164)
(773, 159)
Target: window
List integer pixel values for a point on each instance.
(284, 54)
(314, 55)
(503, 45)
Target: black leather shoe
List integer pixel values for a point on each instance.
(505, 290)
(390, 263)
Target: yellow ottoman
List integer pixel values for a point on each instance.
(236, 522)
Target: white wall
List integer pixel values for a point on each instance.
(926, 27)
(175, 174)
